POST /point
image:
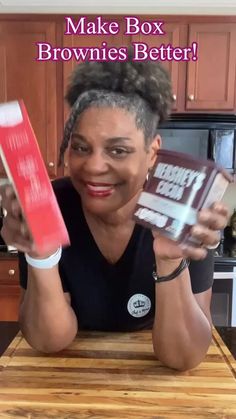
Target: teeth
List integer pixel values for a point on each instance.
(99, 188)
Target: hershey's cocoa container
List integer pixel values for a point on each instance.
(178, 187)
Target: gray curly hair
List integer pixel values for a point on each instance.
(142, 88)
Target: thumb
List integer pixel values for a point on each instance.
(155, 233)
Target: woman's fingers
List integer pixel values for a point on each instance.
(210, 222)
(206, 232)
(167, 249)
(205, 236)
(9, 201)
(7, 196)
(195, 253)
(14, 232)
(16, 209)
(215, 218)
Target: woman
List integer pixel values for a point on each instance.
(104, 280)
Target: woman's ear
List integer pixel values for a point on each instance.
(154, 148)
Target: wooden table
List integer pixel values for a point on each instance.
(114, 375)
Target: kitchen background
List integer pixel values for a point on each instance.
(207, 86)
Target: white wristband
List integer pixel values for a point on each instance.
(46, 263)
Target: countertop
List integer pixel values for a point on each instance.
(8, 255)
(114, 375)
(8, 330)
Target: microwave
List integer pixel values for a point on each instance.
(206, 136)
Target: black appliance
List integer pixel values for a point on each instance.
(211, 136)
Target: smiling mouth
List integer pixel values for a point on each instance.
(99, 189)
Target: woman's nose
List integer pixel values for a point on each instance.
(96, 163)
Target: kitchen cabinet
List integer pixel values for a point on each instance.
(89, 41)
(211, 81)
(9, 289)
(175, 35)
(37, 83)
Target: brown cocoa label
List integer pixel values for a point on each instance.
(175, 191)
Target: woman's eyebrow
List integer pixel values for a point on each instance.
(109, 141)
(78, 136)
(115, 140)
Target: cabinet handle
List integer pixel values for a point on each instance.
(174, 98)
(191, 98)
(11, 272)
(51, 164)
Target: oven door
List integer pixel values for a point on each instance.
(223, 303)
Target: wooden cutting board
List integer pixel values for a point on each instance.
(114, 375)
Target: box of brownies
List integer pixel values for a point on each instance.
(27, 173)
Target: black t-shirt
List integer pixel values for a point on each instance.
(104, 296)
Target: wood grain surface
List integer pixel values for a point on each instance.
(114, 375)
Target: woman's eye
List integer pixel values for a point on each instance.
(80, 148)
(119, 152)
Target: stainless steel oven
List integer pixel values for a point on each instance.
(223, 304)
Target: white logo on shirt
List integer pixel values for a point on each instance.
(139, 305)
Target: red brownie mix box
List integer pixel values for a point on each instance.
(178, 187)
(26, 171)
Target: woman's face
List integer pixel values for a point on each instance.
(107, 158)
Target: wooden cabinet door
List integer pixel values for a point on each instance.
(211, 79)
(21, 76)
(89, 41)
(9, 271)
(175, 34)
(9, 289)
(9, 302)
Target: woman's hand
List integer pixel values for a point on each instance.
(210, 222)
(14, 230)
